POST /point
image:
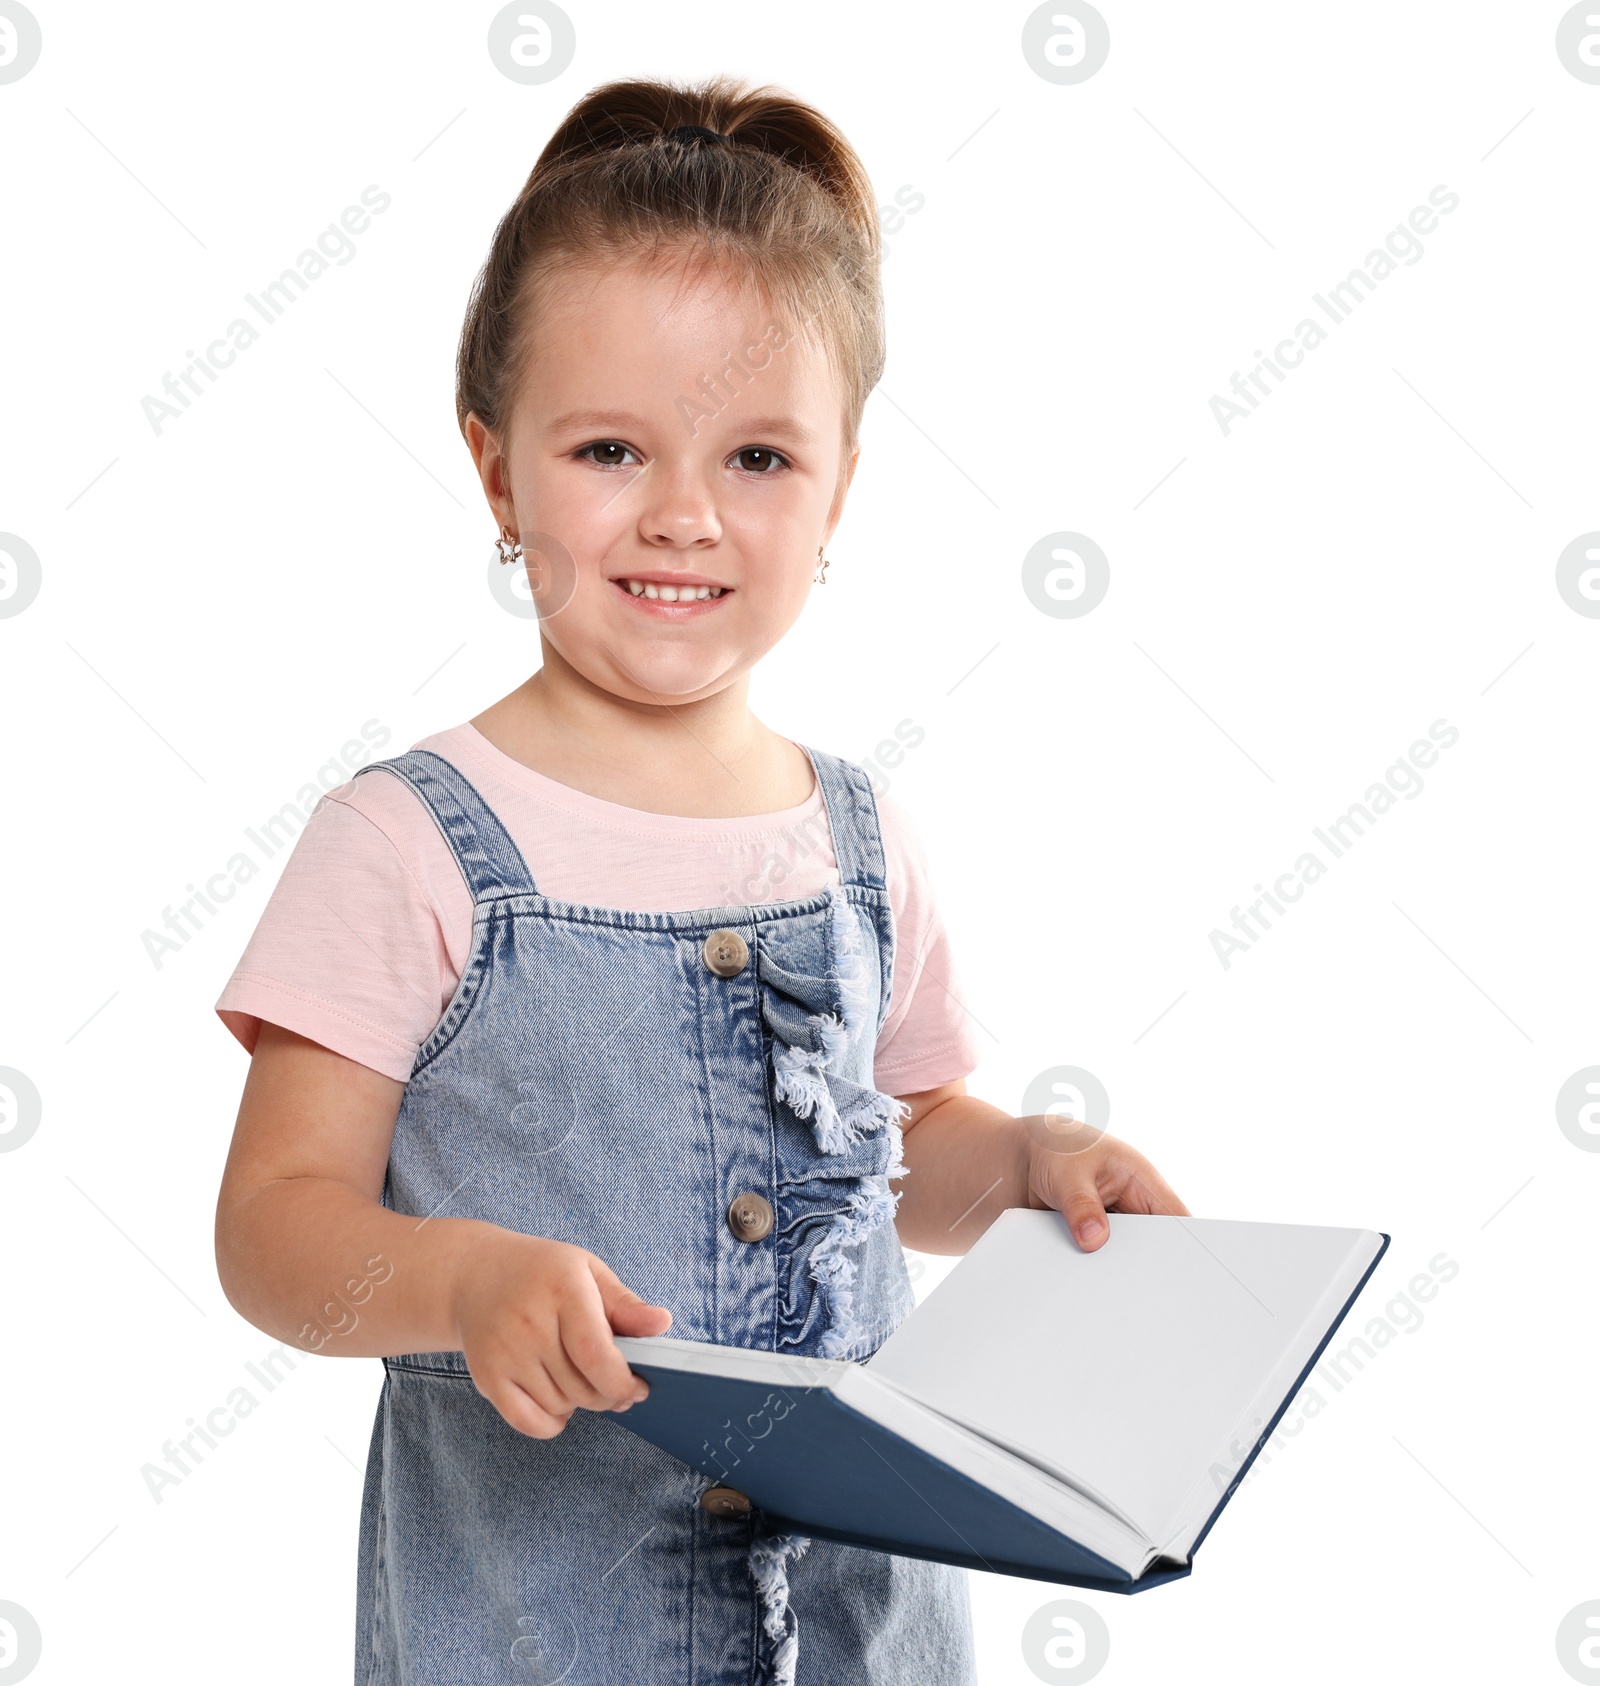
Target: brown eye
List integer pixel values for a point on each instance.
(607, 453)
(757, 459)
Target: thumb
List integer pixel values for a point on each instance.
(625, 1311)
(1086, 1217)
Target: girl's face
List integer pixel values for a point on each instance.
(672, 433)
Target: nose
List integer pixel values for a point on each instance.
(679, 510)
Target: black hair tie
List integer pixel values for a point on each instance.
(692, 131)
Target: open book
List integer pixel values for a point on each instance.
(1067, 1416)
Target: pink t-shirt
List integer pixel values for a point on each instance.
(361, 944)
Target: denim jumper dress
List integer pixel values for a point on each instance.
(597, 1080)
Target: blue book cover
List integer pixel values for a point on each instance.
(915, 1452)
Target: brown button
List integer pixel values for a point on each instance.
(724, 1501)
(726, 953)
(750, 1217)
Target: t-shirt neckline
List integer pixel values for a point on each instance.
(617, 814)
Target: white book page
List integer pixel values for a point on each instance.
(1131, 1368)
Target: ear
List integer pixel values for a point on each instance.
(846, 475)
(490, 462)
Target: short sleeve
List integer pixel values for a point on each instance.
(350, 950)
(928, 1038)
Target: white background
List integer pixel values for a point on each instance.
(225, 603)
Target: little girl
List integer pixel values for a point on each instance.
(523, 1076)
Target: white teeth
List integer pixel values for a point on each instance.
(672, 593)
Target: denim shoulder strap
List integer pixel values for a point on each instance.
(852, 819)
(490, 862)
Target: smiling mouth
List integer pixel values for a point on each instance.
(656, 591)
(665, 603)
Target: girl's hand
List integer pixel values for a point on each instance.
(1083, 1173)
(536, 1320)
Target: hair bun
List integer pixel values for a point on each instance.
(766, 119)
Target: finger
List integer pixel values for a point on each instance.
(591, 1350)
(519, 1408)
(1078, 1201)
(639, 1317)
(626, 1312)
(575, 1386)
(535, 1361)
(535, 1376)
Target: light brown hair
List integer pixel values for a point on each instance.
(784, 202)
